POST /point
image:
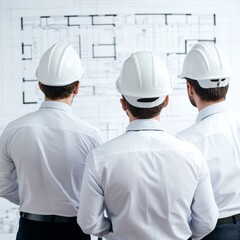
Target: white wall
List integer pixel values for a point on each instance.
(104, 110)
(11, 38)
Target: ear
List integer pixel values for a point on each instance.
(190, 89)
(166, 101)
(40, 85)
(76, 88)
(124, 105)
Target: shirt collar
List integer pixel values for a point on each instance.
(144, 125)
(56, 105)
(210, 110)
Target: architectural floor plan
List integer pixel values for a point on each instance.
(103, 43)
(104, 38)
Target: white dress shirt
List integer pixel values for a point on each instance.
(217, 134)
(42, 159)
(152, 185)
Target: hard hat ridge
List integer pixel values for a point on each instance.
(60, 65)
(207, 64)
(144, 75)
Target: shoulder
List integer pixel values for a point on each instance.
(193, 133)
(233, 116)
(20, 121)
(212, 125)
(185, 147)
(87, 129)
(12, 128)
(166, 144)
(113, 146)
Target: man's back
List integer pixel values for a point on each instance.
(217, 135)
(149, 180)
(48, 148)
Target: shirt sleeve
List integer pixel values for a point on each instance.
(204, 209)
(91, 209)
(8, 175)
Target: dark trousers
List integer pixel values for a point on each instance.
(228, 231)
(34, 230)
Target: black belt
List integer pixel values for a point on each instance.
(48, 218)
(232, 219)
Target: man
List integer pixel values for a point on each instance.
(42, 154)
(216, 132)
(152, 185)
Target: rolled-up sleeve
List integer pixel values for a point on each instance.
(8, 175)
(91, 209)
(204, 209)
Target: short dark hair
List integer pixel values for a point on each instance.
(144, 113)
(58, 92)
(208, 94)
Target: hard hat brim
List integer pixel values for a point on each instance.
(134, 102)
(180, 76)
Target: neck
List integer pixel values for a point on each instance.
(132, 118)
(203, 104)
(67, 100)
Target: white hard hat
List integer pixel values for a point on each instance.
(60, 65)
(207, 64)
(144, 75)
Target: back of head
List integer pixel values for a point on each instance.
(208, 65)
(144, 76)
(60, 65)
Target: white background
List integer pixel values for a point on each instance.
(99, 110)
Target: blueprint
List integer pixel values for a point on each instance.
(103, 43)
(105, 33)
